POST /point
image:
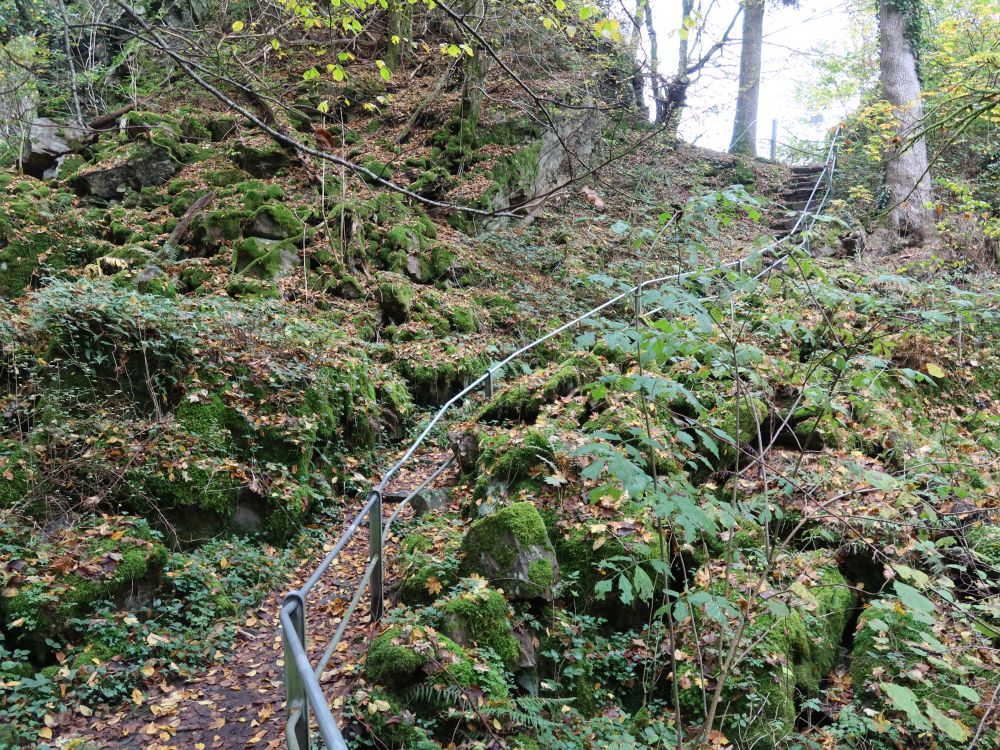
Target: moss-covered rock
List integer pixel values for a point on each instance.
(264, 259)
(522, 403)
(275, 222)
(477, 615)
(403, 656)
(511, 549)
(511, 460)
(261, 159)
(210, 230)
(245, 288)
(395, 298)
(74, 570)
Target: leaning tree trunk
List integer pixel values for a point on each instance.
(906, 172)
(744, 140)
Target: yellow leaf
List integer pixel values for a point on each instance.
(85, 710)
(224, 563)
(45, 733)
(433, 585)
(137, 696)
(934, 370)
(599, 542)
(237, 26)
(50, 720)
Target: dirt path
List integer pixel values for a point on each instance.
(240, 702)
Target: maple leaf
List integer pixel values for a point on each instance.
(433, 586)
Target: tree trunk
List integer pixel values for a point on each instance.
(744, 140)
(635, 41)
(906, 172)
(654, 65)
(399, 30)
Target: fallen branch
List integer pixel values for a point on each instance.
(170, 247)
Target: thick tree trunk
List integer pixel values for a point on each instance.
(744, 140)
(906, 172)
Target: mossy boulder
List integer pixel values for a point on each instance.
(242, 287)
(261, 159)
(141, 165)
(72, 571)
(395, 298)
(816, 432)
(264, 259)
(738, 419)
(275, 222)
(257, 194)
(210, 230)
(477, 615)
(197, 500)
(511, 549)
(510, 461)
(522, 403)
(404, 656)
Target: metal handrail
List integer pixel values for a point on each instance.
(303, 690)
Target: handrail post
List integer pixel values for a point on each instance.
(295, 688)
(489, 383)
(375, 550)
(638, 303)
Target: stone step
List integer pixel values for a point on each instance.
(801, 169)
(790, 197)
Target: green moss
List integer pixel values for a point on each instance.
(22, 483)
(516, 404)
(509, 461)
(210, 230)
(494, 545)
(379, 169)
(264, 259)
(570, 375)
(52, 597)
(824, 432)
(257, 194)
(462, 320)
(391, 661)
(791, 654)
(265, 160)
(398, 657)
(479, 615)
(242, 288)
(276, 222)
(513, 177)
(193, 277)
(395, 299)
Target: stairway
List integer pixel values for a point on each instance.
(794, 197)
